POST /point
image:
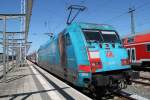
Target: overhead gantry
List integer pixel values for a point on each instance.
(15, 43)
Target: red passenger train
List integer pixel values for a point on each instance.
(138, 47)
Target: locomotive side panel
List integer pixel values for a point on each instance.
(67, 56)
(81, 56)
(42, 57)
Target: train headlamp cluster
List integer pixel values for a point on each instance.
(94, 54)
(125, 61)
(95, 63)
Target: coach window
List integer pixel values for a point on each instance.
(130, 39)
(128, 50)
(123, 40)
(68, 41)
(148, 47)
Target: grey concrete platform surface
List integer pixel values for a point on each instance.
(7, 69)
(33, 83)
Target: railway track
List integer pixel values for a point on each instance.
(124, 95)
(119, 95)
(143, 80)
(128, 96)
(145, 69)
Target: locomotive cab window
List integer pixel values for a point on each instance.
(101, 36)
(148, 47)
(92, 36)
(110, 36)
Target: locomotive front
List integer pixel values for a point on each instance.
(108, 61)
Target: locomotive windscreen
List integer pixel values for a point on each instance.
(93, 36)
(110, 36)
(101, 36)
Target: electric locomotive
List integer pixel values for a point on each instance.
(88, 55)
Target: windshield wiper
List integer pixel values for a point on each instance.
(92, 41)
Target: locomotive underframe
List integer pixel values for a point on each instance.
(146, 63)
(115, 80)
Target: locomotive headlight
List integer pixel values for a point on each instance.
(94, 54)
(93, 63)
(125, 61)
(95, 66)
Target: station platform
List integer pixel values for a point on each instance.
(33, 83)
(7, 69)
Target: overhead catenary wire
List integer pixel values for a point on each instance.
(145, 23)
(140, 7)
(82, 2)
(124, 13)
(143, 5)
(66, 4)
(116, 17)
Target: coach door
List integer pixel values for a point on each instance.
(133, 55)
(129, 54)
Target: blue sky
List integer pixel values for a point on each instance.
(51, 15)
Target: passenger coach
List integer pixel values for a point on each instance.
(138, 47)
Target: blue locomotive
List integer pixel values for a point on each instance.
(89, 56)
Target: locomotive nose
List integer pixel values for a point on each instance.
(110, 56)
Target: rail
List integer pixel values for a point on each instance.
(129, 96)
